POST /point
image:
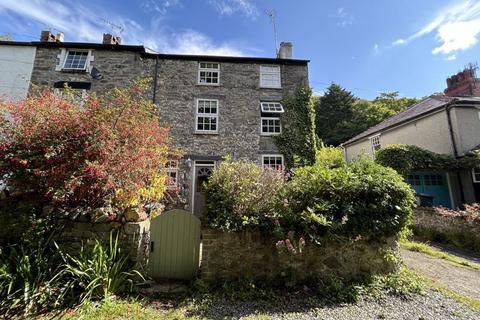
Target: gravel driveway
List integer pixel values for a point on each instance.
(430, 306)
(462, 280)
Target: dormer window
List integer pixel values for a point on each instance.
(209, 73)
(76, 60)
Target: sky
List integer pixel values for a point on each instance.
(366, 46)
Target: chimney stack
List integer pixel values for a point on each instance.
(110, 39)
(286, 50)
(463, 84)
(47, 36)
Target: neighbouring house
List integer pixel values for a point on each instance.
(214, 105)
(16, 65)
(447, 124)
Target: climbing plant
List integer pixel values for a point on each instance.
(407, 158)
(298, 140)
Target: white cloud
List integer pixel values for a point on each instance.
(456, 28)
(376, 49)
(87, 24)
(192, 42)
(160, 6)
(451, 58)
(230, 7)
(344, 17)
(456, 36)
(399, 42)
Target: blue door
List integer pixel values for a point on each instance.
(431, 184)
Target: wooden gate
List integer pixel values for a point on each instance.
(175, 245)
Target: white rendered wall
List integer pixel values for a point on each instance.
(16, 64)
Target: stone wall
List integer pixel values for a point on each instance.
(233, 256)
(457, 228)
(118, 68)
(134, 237)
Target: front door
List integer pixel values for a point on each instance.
(203, 171)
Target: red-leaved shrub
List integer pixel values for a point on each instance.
(89, 152)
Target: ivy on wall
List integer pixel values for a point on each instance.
(407, 158)
(298, 140)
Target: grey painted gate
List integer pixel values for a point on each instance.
(175, 245)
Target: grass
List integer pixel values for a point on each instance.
(122, 310)
(426, 249)
(471, 302)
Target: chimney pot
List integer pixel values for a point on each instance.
(463, 83)
(60, 36)
(47, 36)
(111, 39)
(286, 50)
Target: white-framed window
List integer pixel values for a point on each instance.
(206, 119)
(271, 126)
(270, 77)
(272, 107)
(209, 73)
(476, 175)
(274, 161)
(76, 60)
(171, 168)
(375, 143)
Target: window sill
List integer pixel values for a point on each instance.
(73, 71)
(269, 134)
(263, 87)
(208, 84)
(206, 132)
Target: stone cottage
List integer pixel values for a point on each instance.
(214, 105)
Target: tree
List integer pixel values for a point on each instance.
(340, 116)
(107, 150)
(333, 112)
(298, 140)
(393, 102)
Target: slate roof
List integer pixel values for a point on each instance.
(424, 107)
(150, 53)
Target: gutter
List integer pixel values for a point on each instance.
(448, 108)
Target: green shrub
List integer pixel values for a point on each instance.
(362, 200)
(407, 158)
(241, 195)
(330, 157)
(38, 277)
(99, 272)
(31, 279)
(328, 199)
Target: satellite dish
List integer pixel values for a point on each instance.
(95, 74)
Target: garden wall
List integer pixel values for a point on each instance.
(457, 228)
(245, 255)
(134, 237)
